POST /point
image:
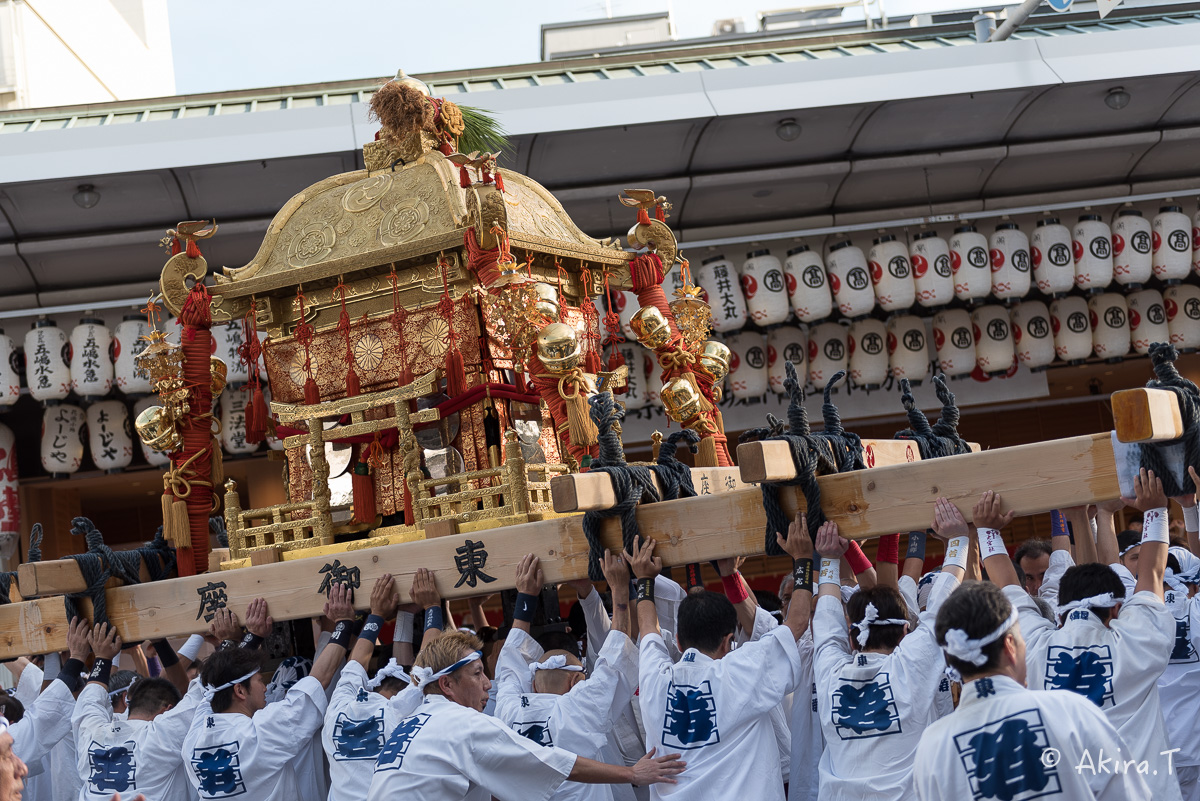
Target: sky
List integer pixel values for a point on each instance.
(221, 45)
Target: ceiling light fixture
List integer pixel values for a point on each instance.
(86, 196)
(1117, 98)
(788, 130)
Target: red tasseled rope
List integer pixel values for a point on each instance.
(304, 335)
(456, 370)
(612, 324)
(481, 262)
(257, 415)
(547, 387)
(352, 382)
(196, 427)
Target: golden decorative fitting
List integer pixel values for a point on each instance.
(156, 428)
(651, 327)
(714, 358)
(416, 83)
(547, 299)
(680, 399)
(219, 375)
(558, 348)
(692, 315)
(163, 360)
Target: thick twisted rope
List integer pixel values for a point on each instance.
(940, 439)
(35, 555)
(674, 476)
(1163, 356)
(100, 563)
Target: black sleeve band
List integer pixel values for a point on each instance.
(525, 607)
(101, 669)
(69, 675)
(166, 654)
(434, 619)
(645, 589)
(250, 642)
(802, 574)
(370, 629)
(342, 634)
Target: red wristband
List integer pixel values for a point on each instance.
(735, 588)
(889, 549)
(857, 560)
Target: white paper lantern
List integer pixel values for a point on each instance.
(867, 343)
(1147, 319)
(970, 263)
(172, 330)
(47, 365)
(849, 279)
(110, 435)
(10, 375)
(908, 348)
(1109, 316)
(152, 457)
(891, 274)
(91, 362)
(994, 352)
(1172, 244)
(807, 284)
(128, 342)
(1010, 262)
(233, 422)
(1050, 252)
(748, 377)
(62, 439)
(1072, 329)
(765, 288)
(10, 501)
(954, 341)
(227, 344)
(1092, 244)
(786, 343)
(723, 289)
(1182, 303)
(654, 383)
(635, 383)
(1033, 336)
(828, 353)
(1131, 241)
(932, 276)
(1196, 243)
(625, 304)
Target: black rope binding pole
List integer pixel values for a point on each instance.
(100, 563)
(1162, 357)
(940, 439)
(35, 555)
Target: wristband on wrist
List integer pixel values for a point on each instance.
(191, 649)
(694, 578)
(735, 588)
(342, 634)
(250, 641)
(525, 607)
(1154, 526)
(52, 664)
(101, 670)
(857, 560)
(831, 572)
(1058, 524)
(69, 674)
(956, 552)
(645, 589)
(370, 629)
(116, 660)
(802, 570)
(154, 667)
(433, 618)
(404, 627)
(916, 545)
(888, 549)
(166, 654)
(226, 644)
(991, 543)
(1191, 518)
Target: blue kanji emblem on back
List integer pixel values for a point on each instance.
(1003, 759)
(218, 770)
(1183, 650)
(391, 757)
(865, 708)
(1085, 670)
(113, 768)
(691, 719)
(536, 730)
(357, 739)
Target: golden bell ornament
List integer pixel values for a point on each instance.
(680, 399)
(715, 359)
(160, 358)
(218, 375)
(547, 300)
(156, 430)
(558, 347)
(651, 327)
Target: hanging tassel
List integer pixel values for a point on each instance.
(362, 485)
(659, 213)
(456, 372)
(522, 385)
(591, 362)
(499, 181)
(581, 429)
(352, 382)
(304, 335)
(175, 521)
(615, 361)
(312, 393)
(464, 178)
(706, 454)
(257, 415)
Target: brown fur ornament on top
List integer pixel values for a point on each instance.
(401, 110)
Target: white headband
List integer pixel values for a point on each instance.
(1103, 601)
(425, 676)
(391, 670)
(871, 618)
(1129, 548)
(4, 724)
(960, 646)
(209, 692)
(556, 662)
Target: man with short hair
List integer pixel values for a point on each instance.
(1033, 557)
(12, 769)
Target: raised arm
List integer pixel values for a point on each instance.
(1107, 551)
(1152, 501)
(529, 581)
(616, 573)
(340, 609)
(799, 546)
(425, 595)
(384, 600)
(988, 522)
(1080, 518)
(1191, 514)
(738, 592)
(951, 527)
(887, 561)
(645, 566)
(832, 547)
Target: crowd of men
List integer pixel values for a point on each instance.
(1070, 671)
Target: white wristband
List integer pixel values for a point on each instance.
(404, 627)
(1154, 526)
(53, 665)
(831, 572)
(991, 543)
(190, 649)
(116, 661)
(1191, 518)
(956, 552)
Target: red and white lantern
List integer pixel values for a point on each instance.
(828, 352)
(765, 288)
(1010, 262)
(929, 256)
(748, 376)
(233, 423)
(1092, 244)
(891, 274)
(1147, 319)
(110, 435)
(228, 339)
(1196, 243)
(908, 348)
(91, 364)
(1182, 304)
(10, 375)
(970, 263)
(867, 342)
(47, 365)
(654, 383)
(1072, 329)
(1050, 252)
(807, 284)
(1033, 335)
(1131, 245)
(786, 343)
(723, 289)
(954, 341)
(129, 341)
(10, 501)
(1172, 244)
(850, 279)
(62, 439)
(152, 457)
(1109, 315)
(635, 382)
(994, 352)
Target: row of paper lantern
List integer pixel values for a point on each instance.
(92, 360)
(104, 430)
(932, 271)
